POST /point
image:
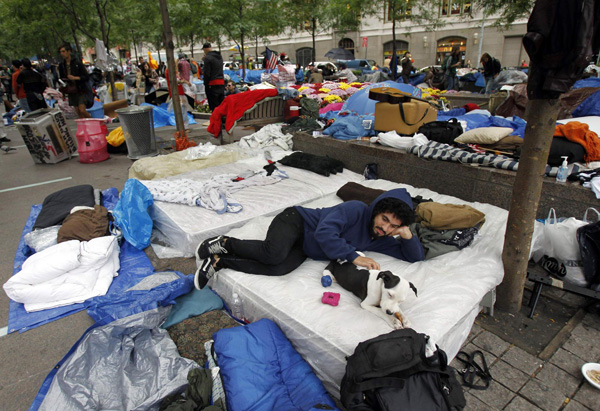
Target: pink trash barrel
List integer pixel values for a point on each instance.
(91, 139)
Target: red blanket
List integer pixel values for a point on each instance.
(234, 107)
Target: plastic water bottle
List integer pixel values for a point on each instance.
(236, 307)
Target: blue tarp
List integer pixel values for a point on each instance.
(587, 82)
(233, 75)
(480, 82)
(135, 265)
(589, 107)
(350, 127)
(413, 81)
(477, 120)
(163, 117)
(253, 76)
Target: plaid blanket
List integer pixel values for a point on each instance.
(439, 151)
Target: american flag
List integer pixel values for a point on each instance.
(271, 59)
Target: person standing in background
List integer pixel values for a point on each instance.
(183, 68)
(407, 66)
(18, 88)
(214, 82)
(299, 74)
(451, 63)
(6, 79)
(491, 69)
(34, 84)
(73, 72)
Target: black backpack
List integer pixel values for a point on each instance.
(391, 372)
(442, 131)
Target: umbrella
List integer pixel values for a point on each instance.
(339, 54)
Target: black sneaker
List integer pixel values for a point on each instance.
(204, 273)
(212, 246)
(5, 140)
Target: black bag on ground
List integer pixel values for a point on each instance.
(588, 238)
(392, 372)
(442, 131)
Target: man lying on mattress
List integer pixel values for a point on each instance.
(330, 233)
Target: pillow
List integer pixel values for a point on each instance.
(192, 304)
(483, 135)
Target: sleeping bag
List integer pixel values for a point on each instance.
(262, 371)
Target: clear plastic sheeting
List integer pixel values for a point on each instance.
(43, 238)
(450, 289)
(129, 364)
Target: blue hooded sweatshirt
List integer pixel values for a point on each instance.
(340, 231)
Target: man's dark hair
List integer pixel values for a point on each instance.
(397, 207)
(26, 63)
(16, 63)
(65, 46)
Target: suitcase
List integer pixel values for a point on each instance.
(405, 117)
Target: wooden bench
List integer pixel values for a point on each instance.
(267, 111)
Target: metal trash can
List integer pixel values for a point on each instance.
(138, 129)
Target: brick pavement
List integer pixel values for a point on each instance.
(522, 381)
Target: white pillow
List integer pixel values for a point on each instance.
(484, 135)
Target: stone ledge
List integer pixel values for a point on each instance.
(470, 183)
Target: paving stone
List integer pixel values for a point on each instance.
(558, 379)
(575, 406)
(522, 360)
(541, 395)
(521, 404)
(567, 361)
(584, 343)
(496, 395)
(588, 396)
(489, 357)
(491, 343)
(475, 404)
(475, 331)
(508, 375)
(574, 300)
(592, 320)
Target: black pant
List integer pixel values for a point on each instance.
(215, 96)
(280, 252)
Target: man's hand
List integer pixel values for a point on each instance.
(404, 232)
(72, 77)
(366, 262)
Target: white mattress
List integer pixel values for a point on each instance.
(450, 288)
(184, 227)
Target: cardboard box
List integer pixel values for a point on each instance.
(389, 117)
(47, 136)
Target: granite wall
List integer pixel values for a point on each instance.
(468, 182)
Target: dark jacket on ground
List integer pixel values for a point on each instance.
(491, 67)
(213, 67)
(340, 231)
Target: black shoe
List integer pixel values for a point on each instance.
(5, 140)
(212, 246)
(204, 273)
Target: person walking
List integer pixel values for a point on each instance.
(491, 69)
(75, 75)
(214, 82)
(407, 66)
(331, 233)
(183, 67)
(451, 63)
(18, 88)
(34, 84)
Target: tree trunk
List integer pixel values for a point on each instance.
(541, 119)
(111, 74)
(77, 46)
(192, 45)
(134, 47)
(172, 79)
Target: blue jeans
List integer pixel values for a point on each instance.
(24, 105)
(490, 84)
(451, 82)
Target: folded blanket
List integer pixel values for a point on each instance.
(439, 216)
(234, 107)
(580, 133)
(354, 191)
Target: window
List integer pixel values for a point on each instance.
(455, 8)
(304, 56)
(347, 44)
(388, 48)
(399, 11)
